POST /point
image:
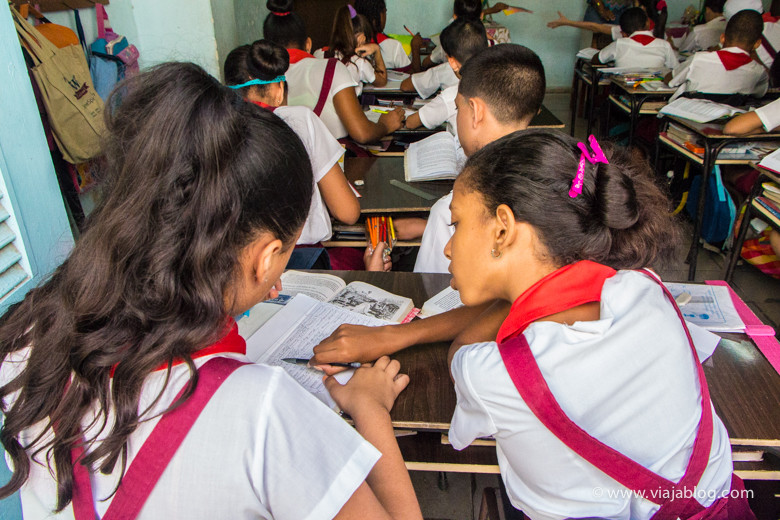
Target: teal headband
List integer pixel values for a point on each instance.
(249, 83)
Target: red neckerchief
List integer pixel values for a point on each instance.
(263, 105)
(231, 342)
(660, 5)
(768, 18)
(563, 289)
(381, 37)
(644, 39)
(297, 55)
(733, 60)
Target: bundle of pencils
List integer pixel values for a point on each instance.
(380, 229)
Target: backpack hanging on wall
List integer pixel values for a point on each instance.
(719, 210)
(113, 44)
(74, 109)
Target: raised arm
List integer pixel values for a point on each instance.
(602, 28)
(358, 126)
(380, 70)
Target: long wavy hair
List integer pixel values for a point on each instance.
(192, 175)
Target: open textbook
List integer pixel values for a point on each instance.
(294, 331)
(708, 306)
(434, 158)
(699, 110)
(446, 300)
(357, 297)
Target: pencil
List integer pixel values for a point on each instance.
(407, 30)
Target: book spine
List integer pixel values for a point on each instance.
(769, 206)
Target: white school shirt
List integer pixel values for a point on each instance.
(429, 82)
(626, 52)
(393, 54)
(616, 32)
(304, 80)
(324, 151)
(628, 379)
(772, 35)
(263, 447)
(438, 231)
(440, 110)
(704, 36)
(704, 72)
(732, 7)
(770, 115)
(359, 68)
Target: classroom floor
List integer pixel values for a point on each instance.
(461, 497)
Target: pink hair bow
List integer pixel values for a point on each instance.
(597, 157)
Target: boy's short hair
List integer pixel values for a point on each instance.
(633, 20)
(462, 39)
(468, 9)
(745, 27)
(716, 6)
(509, 78)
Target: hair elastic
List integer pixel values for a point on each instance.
(251, 82)
(352, 12)
(597, 157)
(283, 14)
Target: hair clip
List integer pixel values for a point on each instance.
(352, 12)
(251, 82)
(597, 157)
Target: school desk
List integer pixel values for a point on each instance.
(753, 209)
(634, 102)
(711, 134)
(588, 75)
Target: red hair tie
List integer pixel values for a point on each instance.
(283, 14)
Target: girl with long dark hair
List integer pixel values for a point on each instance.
(125, 386)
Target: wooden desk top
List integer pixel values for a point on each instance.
(745, 388)
(379, 196)
(620, 82)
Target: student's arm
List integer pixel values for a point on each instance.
(409, 228)
(407, 85)
(428, 63)
(368, 398)
(747, 123)
(413, 121)
(358, 343)
(603, 28)
(358, 126)
(416, 44)
(605, 55)
(380, 70)
(484, 328)
(341, 201)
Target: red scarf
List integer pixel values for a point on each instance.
(231, 342)
(733, 60)
(263, 105)
(563, 289)
(381, 37)
(297, 55)
(644, 39)
(768, 18)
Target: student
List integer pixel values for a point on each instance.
(592, 381)
(770, 39)
(392, 51)
(501, 91)
(657, 12)
(704, 36)
(461, 40)
(203, 200)
(638, 48)
(610, 29)
(308, 78)
(348, 44)
(730, 70)
(766, 118)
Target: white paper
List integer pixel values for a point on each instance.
(391, 85)
(704, 341)
(771, 161)
(710, 307)
(365, 299)
(699, 110)
(435, 157)
(394, 75)
(294, 332)
(587, 53)
(446, 300)
(321, 287)
(374, 116)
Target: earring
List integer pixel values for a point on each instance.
(493, 253)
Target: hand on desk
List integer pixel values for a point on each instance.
(371, 387)
(355, 343)
(393, 120)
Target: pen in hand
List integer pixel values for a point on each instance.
(305, 362)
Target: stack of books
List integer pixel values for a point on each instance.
(770, 200)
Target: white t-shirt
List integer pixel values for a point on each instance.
(359, 68)
(438, 231)
(628, 379)
(437, 54)
(704, 72)
(616, 32)
(263, 447)
(440, 110)
(429, 82)
(393, 54)
(732, 7)
(704, 36)
(304, 80)
(772, 35)
(324, 151)
(626, 52)
(770, 115)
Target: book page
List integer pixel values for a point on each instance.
(771, 161)
(363, 298)
(446, 300)
(321, 287)
(710, 307)
(587, 53)
(699, 110)
(294, 331)
(434, 157)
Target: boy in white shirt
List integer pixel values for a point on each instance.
(730, 70)
(638, 48)
(770, 40)
(702, 37)
(461, 40)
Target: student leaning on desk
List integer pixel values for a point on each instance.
(204, 198)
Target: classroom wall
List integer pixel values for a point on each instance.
(225, 29)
